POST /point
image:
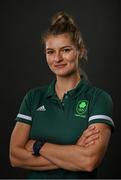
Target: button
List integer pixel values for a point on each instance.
(62, 103)
(66, 96)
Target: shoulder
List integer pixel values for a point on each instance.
(37, 93)
(100, 106)
(38, 90)
(95, 92)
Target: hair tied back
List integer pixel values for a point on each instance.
(62, 17)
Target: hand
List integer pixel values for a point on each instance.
(29, 145)
(89, 136)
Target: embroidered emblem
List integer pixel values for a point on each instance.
(81, 108)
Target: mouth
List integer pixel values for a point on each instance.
(59, 66)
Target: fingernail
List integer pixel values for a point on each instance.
(97, 130)
(97, 136)
(92, 127)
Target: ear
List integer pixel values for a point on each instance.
(81, 53)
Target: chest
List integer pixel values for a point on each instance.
(61, 123)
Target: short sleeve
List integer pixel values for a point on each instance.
(101, 109)
(25, 110)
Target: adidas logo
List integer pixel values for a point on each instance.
(41, 108)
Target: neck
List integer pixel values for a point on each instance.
(63, 85)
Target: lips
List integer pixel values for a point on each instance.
(60, 66)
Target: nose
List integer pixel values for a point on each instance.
(58, 57)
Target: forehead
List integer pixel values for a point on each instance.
(58, 41)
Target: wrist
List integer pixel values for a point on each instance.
(37, 147)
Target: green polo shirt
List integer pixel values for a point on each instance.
(63, 122)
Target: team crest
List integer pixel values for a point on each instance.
(82, 107)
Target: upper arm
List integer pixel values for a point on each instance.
(20, 135)
(101, 116)
(97, 151)
(101, 109)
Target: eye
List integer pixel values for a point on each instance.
(50, 52)
(66, 50)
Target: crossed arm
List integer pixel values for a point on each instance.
(85, 155)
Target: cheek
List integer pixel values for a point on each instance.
(73, 58)
(49, 61)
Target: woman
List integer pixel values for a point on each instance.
(63, 129)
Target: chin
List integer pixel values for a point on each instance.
(64, 74)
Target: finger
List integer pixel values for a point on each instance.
(90, 132)
(81, 141)
(87, 137)
(89, 144)
(92, 138)
(91, 127)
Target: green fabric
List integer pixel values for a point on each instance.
(64, 122)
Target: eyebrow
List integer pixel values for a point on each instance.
(60, 48)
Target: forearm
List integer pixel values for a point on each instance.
(70, 157)
(75, 157)
(24, 159)
(46, 166)
(21, 150)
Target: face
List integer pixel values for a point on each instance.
(62, 55)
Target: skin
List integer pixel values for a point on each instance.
(63, 59)
(21, 148)
(62, 55)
